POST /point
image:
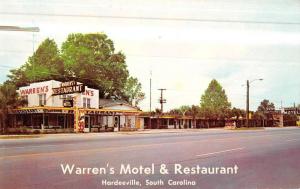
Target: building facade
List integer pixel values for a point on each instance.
(41, 94)
(54, 106)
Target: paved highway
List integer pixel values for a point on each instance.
(265, 159)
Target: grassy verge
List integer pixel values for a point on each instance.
(19, 136)
(247, 128)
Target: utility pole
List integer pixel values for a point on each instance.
(247, 100)
(34, 76)
(247, 105)
(162, 100)
(150, 91)
(150, 125)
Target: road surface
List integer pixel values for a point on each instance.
(265, 159)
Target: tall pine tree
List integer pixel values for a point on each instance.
(214, 102)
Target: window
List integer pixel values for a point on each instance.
(46, 121)
(171, 121)
(88, 103)
(42, 99)
(84, 102)
(68, 97)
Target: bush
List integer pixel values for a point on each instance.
(36, 132)
(23, 130)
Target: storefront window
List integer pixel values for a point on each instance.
(46, 121)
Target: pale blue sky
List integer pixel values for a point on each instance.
(186, 44)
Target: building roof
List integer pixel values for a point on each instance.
(113, 104)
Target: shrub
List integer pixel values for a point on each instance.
(36, 132)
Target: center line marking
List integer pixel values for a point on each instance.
(223, 151)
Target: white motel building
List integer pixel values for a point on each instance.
(71, 107)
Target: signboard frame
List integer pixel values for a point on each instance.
(70, 87)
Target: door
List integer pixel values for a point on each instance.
(116, 123)
(87, 124)
(61, 121)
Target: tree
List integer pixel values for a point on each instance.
(17, 76)
(90, 58)
(86, 58)
(193, 111)
(175, 112)
(182, 110)
(265, 106)
(236, 112)
(186, 110)
(133, 91)
(262, 110)
(158, 111)
(214, 102)
(8, 99)
(44, 64)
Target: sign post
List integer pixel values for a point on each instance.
(71, 87)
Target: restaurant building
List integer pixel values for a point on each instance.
(54, 106)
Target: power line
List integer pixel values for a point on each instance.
(8, 67)
(5, 67)
(150, 91)
(210, 59)
(17, 28)
(153, 18)
(287, 62)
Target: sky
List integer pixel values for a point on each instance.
(183, 43)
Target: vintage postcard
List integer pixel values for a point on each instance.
(150, 94)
